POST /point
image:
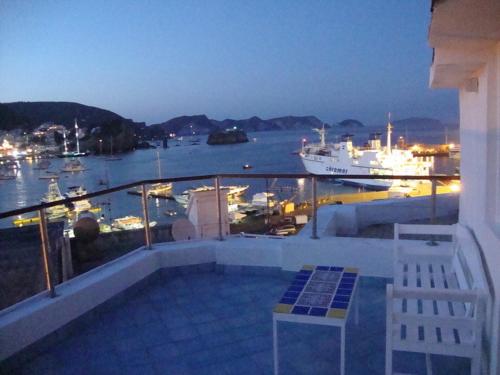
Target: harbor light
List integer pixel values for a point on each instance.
(455, 187)
(451, 145)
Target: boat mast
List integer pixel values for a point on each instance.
(158, 163)
(321, 133)
(389, 132)
(65, 143)
(77, 140)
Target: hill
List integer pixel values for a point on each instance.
(350, 123)
(201, 124)
(420, 123)
(29, 115)
(186, 125)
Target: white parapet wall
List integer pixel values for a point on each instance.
(30, 320)
(348, 219)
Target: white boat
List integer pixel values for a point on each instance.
(260, 200)
(81, 205)
(233, 192)
(48, 175)
(74, 165)
(129, 223)
(344, 159)
(54, 194)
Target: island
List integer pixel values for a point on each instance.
(227, 137)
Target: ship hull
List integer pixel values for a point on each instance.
(324, 165)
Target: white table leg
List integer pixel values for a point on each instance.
(275, 346)
(342, 350)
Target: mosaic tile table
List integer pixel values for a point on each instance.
(318, 295)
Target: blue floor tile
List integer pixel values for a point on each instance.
(222, 324)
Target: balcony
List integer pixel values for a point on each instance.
(205, 306)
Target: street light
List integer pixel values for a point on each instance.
(100, 146)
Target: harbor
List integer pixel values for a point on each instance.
(167, 201)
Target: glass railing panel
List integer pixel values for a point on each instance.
(21, 263)
(404, 202)
(274, 206)
(101, 229)
(168, 208)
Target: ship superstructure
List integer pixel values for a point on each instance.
(345, 159)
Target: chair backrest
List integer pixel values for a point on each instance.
(421, 229)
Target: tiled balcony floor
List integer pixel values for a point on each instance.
(221, 324)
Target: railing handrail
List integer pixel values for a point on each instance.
(115, 189)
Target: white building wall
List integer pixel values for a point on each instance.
(480, 171)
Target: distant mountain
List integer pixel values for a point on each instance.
(201, 124)
(350, 123)
(297, 122)
(10, 120)
(420, 123)
(186, 125)
(29, 115)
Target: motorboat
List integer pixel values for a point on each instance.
(48, 175)
(129, 223)
(54, 194)
(80, 205)
(233, 192)
(74, 165)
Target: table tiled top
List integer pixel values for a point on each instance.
(321, 291)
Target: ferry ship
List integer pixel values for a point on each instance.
(345, 159)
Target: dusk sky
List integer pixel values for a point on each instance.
(154, 60)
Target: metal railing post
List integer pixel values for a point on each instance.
(432, 241)
(145, 212)
(219, 208)
(314, 234)
(45, 253)
(433, 201)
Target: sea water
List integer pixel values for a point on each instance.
(266, 152)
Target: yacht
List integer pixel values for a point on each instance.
(81, 205)
(129, 223)
(54, 194)
(233, 192)
(74, 165)
(48, 175)
(345, 159)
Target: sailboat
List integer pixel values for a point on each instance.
(72, 154)
(158, 190)
(54, 194)
(112, 157)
